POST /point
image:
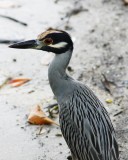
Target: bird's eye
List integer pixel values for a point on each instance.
(48, 41)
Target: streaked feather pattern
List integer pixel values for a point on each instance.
(86, 126)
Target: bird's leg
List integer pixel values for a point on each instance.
(53, 109)
(52, 105)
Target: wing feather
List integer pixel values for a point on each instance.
(86, 127)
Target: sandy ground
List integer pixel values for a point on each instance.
(100, 33)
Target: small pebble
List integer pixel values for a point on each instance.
(14, 60)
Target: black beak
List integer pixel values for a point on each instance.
(25, 45)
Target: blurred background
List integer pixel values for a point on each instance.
(99, 30)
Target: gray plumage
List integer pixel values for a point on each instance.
(84, 121)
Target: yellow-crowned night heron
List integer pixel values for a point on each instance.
(84, 121)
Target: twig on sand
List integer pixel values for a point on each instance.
(5, 82)
(120, 112)
(8, 41)
(15, 20)
(72, 12)
(75, 11)
(107, 84)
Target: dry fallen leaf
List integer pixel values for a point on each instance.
(38, 117)
(16, 82)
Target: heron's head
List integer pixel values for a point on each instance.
(52, 40)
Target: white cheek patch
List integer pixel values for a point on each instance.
(39, 44)
(59, 45)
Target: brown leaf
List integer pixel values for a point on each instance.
(16, 82)
(38, 117)
(8, 4)
(125, 2)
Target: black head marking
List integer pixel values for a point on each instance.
(57, 37)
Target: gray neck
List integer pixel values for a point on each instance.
(57, 75)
